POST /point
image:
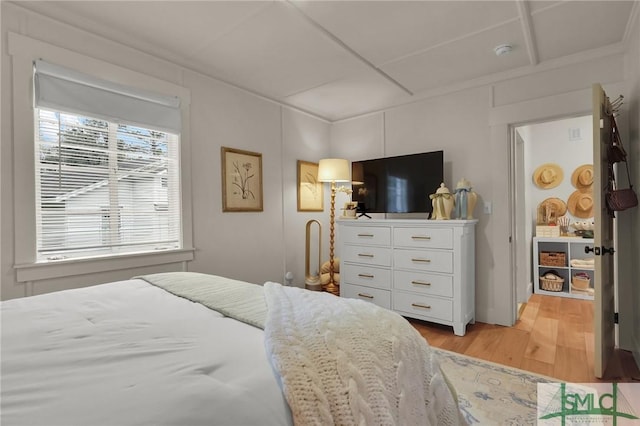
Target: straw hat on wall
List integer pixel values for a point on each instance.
(559, 206)
(580, 204)
(548, 176)
(582, 176)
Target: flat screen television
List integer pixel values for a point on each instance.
(399, 184)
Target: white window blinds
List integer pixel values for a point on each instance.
(63, 89)
(103, 187)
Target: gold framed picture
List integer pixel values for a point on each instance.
(310, 191)
(241, 180)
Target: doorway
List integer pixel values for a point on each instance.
(547, 157)
(503, 120)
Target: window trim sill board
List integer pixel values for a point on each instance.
(70, 267)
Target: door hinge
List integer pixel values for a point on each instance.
(615, 318)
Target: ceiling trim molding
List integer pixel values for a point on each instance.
(237, 23)
(634, 17)
(551, 5)
(347, 48)
(527, 31)
(450, 41)
(577, 58)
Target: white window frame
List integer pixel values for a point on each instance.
(24, 51)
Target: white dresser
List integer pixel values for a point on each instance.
(422, 269)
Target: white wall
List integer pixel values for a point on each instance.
(304, 138)
(246, 245)
(255, 247)
(549, 143)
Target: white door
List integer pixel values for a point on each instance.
(521, 229)
(604, 300)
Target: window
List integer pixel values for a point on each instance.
(107, 180)
(99, 185)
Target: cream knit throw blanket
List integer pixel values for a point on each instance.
(341, 361)
(349, 362)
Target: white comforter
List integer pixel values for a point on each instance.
(129, 353)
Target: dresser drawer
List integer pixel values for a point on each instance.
(424, 283)
(371, 255)
(368, 276)
(369, 235)
(423, 260)
(419, 306)
(376, 296)
(441, 238)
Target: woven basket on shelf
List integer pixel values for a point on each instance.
(547, 231)
(581, 281)
(551, 282)
(553, 258)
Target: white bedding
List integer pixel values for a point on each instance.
(160, 359)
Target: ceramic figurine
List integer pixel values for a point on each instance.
(442, 202)
(465, 200)
(472, 199)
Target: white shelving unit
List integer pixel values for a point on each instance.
(574, 248)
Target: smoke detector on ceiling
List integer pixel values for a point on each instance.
(503, 49)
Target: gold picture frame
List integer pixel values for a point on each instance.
(310, 191)
(241, 180)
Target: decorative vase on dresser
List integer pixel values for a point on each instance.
(423, 269)
(465, 200)
(442, 202)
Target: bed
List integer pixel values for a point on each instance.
(194, 349)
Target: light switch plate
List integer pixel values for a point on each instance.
(488, 208)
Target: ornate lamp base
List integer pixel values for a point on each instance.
(332, 288)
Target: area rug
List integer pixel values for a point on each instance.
(492, 394)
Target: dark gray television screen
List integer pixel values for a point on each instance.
(399, 184)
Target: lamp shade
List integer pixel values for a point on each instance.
(334, 170)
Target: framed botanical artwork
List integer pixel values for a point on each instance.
(241, 180)
(310, 191)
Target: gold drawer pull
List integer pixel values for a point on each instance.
(418, 305)
(365, 255)
(420, 260)
(365, 235)
(420, 283)
(368, 296)
(365, 275)
(420, 237)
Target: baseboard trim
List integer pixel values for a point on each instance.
(636, 355)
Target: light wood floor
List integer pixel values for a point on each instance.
(553, 337)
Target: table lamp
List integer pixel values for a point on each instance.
(333, 170)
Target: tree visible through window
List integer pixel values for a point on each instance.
(99, 185)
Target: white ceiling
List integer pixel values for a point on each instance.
(338, 59)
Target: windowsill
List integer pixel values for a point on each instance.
(71, 267)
